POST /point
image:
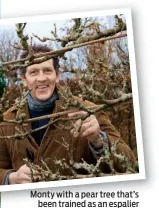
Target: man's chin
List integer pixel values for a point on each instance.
(43, 98)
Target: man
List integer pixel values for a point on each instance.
(46, 144)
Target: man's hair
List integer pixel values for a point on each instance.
(37, 48)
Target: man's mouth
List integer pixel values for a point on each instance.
(42, 87)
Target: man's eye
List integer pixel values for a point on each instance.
(32, 72)
(48, 70)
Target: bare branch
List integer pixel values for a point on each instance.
(45, 56)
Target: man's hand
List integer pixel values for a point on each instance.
(89, 128)
(23, 175)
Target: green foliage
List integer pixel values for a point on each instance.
(2, 80)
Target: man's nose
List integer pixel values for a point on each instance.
(41, 76)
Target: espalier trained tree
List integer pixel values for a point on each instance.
(105, 82)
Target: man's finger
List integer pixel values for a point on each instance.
(25, 177)
(78, 113)
(91, 118)
(88, 132)
(84, 127)
(28, 171)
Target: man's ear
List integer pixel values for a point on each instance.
(22, 77)
(58, 76)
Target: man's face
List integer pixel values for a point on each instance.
(41, 78)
